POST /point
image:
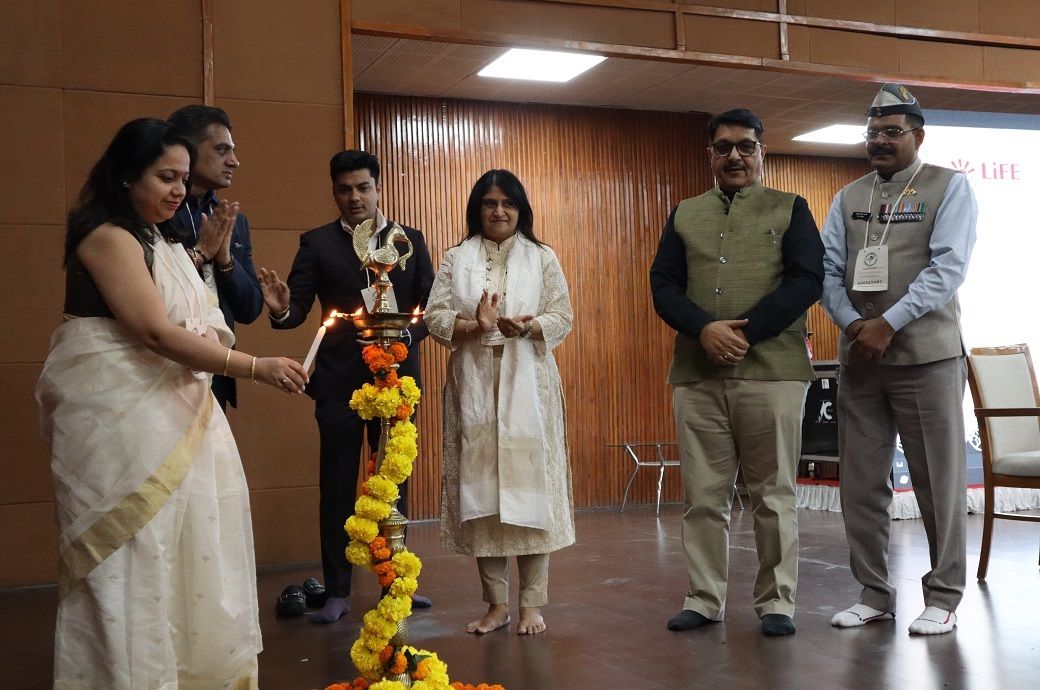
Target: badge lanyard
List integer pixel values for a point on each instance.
(870, 206)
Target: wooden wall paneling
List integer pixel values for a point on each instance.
(818, 180)
(601, 183)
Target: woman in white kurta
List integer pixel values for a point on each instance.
(157, 580)
(500, 303)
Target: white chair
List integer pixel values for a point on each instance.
(1007, 405)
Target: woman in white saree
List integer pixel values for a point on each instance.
(157, 579)
(500, 303)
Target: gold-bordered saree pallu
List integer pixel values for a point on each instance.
(157, 575)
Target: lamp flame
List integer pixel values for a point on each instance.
(416, 314)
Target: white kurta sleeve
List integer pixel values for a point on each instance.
(440, 314)
(556, 317)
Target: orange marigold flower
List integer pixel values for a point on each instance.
(422, 670)
(404, 411)
(399, 351)
(370, 466)
(399, 665)
(386, 573)
(337, 686)
(360, 684)
(377, 358)
(386, 653)
(388, 381)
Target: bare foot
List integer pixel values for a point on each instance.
(496, 617)
(334, 609)
(531, 621)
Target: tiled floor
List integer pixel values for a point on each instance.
(610, 597)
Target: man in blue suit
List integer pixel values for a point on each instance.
(217, 236)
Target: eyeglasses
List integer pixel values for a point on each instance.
(745, 148)
(887, 132)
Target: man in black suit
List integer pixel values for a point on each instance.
(217, 237)
(327, 266)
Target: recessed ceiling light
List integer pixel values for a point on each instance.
(540, 65)
(835, 134)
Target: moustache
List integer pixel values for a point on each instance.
(880, 150)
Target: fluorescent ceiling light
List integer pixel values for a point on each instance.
(835, 134)
(540, 65)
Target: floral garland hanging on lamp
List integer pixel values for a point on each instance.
(376, 532)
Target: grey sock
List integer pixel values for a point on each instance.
(777, 624)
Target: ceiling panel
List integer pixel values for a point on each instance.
(789, 104)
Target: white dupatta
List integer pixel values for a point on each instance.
(502, 467)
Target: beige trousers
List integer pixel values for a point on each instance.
(923, 403)
(534, 579)
(757, 425)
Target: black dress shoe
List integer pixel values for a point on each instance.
(292, 602)
(420, 602)
(315, 593)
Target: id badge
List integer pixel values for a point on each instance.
(198, 327)
(369, 295)
(871, 269)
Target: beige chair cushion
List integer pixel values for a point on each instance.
(1004, 381)
(1019, 464)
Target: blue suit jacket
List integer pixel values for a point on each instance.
(238, 290)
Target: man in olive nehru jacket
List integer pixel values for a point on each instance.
(897, 243)
(735, 271)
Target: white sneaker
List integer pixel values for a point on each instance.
(858, 615)
(933, 621)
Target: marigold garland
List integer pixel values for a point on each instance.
(391, 397)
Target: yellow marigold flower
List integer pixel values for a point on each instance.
(379, 626)
(359, 554)
(407, 564)
(373, 643)
(405, 445)
(371, 508)
(387, 685)
(361, 529)
(386, 401)
(404, 586)
(409, 390)
(366, 661)
(396, 467)
(403, 429)
(382, 488)
(395, 608)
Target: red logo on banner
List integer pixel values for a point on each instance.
(990, 170)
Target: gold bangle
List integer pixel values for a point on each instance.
(252, 371)
(227, 361)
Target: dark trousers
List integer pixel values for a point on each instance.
(341, 432)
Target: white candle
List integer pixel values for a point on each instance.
(313, 352)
